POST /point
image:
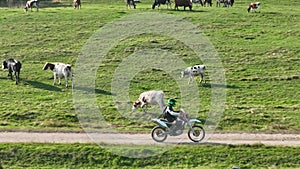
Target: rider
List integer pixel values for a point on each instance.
(170, 114)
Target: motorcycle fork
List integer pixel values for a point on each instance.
(191, 128)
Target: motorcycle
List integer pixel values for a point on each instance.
(195, 132)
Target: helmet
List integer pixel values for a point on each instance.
(172, 102)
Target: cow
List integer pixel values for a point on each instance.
(13, 66)
(194, 71)
(158, 2)
(227, 3)
(253, 6)
(152, 97)
(77, 4)
(60, 70)
(130, 3)
(209, 2)
(184, 3)
(198, 1)
(30, 4)
(204, 2)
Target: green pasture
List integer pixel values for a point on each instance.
(85, 156)
(259, 52)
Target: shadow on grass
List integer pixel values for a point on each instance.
(272, 13)
(188, 10)
(207, 85)
(4, 78)
(92, 90)
(43, 86)
(12, 80)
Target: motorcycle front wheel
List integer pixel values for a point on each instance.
(198, 134)
(158, 134)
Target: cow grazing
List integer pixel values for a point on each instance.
(153, 97)
(194, 71)
(130, 3)
(60, 70)
(30, 4)
(254, 6)
(13, 66)
(158, 2)
(77, 4)
(209, 2)
(184, 3)
(198, 1)
(227, 3)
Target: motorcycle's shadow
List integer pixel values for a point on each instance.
(193, 143)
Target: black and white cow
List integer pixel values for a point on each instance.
(130, 3)
(203, 2)
(227, 3)
(158, 2)
(208, 2)
(13, 66)
(77, 4)
(30, 4)
(194, 71)
(253, 6)
(198, 2)
(60, 70)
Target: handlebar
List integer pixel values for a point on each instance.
(183, 116)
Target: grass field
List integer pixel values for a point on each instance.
(202, 157)
(259, 52)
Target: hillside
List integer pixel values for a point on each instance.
(258, 51)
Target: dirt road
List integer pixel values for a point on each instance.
(216, 138)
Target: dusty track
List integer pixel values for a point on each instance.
(217, 138)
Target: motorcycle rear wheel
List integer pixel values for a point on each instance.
(158, 134)
(198, 135)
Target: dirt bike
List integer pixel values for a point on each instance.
(195, 132)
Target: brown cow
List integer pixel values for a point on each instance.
(253, 6)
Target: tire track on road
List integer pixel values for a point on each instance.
(141, 138)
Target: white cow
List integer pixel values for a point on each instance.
(60, 70)
(194, 71)
(153, 97)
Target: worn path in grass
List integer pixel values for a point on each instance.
(140, 139)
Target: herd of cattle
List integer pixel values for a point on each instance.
(189, 4)
(62, 70)
(178, 3)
